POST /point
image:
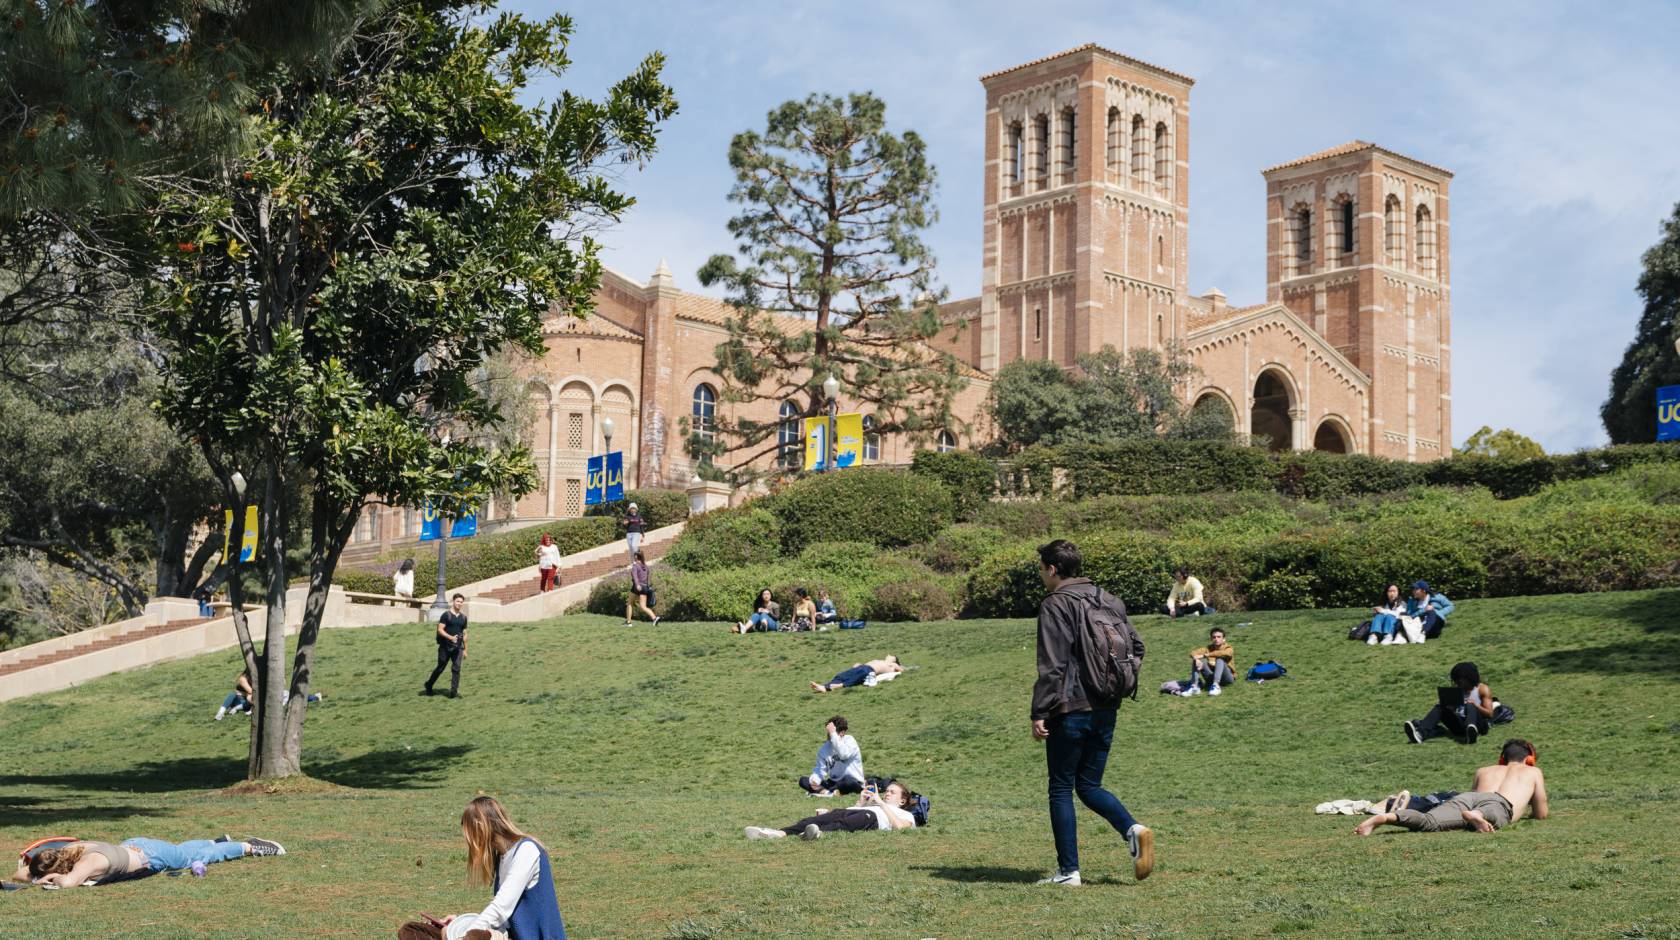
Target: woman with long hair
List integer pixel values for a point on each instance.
(765, 617)
(1385, 618)
(70, 864)
(516, 867)
(548, 563)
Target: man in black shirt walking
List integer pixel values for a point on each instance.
(452, 645)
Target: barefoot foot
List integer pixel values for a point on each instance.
(1476, 820)
(1367, 827)
(818, 687)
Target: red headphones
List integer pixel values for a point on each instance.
(1530, 760)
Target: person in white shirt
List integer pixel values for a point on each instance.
(1185, 599)
(888, 809)
(839, 766)
(548, 563)
(402, 582)
(498, 853)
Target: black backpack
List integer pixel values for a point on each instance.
(1109, 664)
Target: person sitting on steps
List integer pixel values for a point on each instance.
(1499, 795)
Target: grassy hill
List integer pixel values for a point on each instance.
(638, 755)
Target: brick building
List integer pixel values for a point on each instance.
(1084, 244)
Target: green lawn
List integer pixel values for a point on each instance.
(638, 755)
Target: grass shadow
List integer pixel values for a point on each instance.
(1654, 658)
(993, 874)
(40, 812)
(393, 768)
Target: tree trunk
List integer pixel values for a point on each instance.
(171, 561)
(327, 541)
(271, 757)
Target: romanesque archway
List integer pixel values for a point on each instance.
(1273, 397)
(1331, 437)
(1212, 414)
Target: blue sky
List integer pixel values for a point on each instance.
(1558, 120)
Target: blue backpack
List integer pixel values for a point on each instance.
(1270, 669)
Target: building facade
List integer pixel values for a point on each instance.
(1084, 245)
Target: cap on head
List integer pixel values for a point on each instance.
(1420, 585)
(632, 505)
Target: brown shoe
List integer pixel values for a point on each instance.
(415, 930)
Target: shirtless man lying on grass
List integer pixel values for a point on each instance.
(1498, 797)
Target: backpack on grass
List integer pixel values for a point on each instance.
(1360, 633)
(1270, 669)
(1108, 658)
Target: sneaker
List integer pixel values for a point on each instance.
(1400, 640)
(265, 847)
(427, 691)
(1141, 839)
(759, 832)
(1471, 734)
(628, 624)
(655, 621)
(1192, 691)
(1412, 733)
(810, 833)
(1069, 878)
(1387, 640)
(1373, 640)
(1213, 689)
(222, 838)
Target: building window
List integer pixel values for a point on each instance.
(947, 442)
(1115, 164)
(1038, 323)
(1163, 159)
(1160, 253)
(704, 416)
(788, 450)
(1338, 247)
(1347, 226)
(1140, 151)
(1041, 151)
(1070, 158)
(574, 497)
(1425, 242)
(871, 441)
(1016, 145)
(1394, 231)
(574, 431)
(1301, 255)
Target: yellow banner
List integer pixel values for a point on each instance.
(248, 542)
(816, 443)
(848, 438)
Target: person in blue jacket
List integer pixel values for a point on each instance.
(1431, 609)
(516, 866)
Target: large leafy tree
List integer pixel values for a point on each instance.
(330, 298)
(1107, 396)
(1503, 443)
(1651, 360)
(832, 276)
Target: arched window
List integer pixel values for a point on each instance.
(1163, 159)
(1338, 248)
(1038, 323)
(1394, 231)
(704, 414)
(1425, 242)
(871, 441)
(1116, 146)
(947, 442)
(1160, 253)
(1013, 156)
(1070, 155)
(788, 451)
(1140, 151)
(1041, 151)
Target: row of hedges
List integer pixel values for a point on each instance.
(1086, 471)
(1616, 533)
(477, 558)
(659, 507)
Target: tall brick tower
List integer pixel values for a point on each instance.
(1087, 204)
(1356, 246)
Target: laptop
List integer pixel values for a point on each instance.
(1450, 697)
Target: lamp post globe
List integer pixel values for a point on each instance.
(831, 391)
(607, 432)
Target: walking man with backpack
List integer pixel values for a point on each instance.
(1088, 659)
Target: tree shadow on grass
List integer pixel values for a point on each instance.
(967, 874)
(392, 768)
(1659, 654)
(37, 811)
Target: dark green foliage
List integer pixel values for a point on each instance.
(886, 508)
(476, 559)
(728, 538)
(1313, 474)
(912, 598)
(970, 478)
(1651, 360)
(659, 507)
(961, 547)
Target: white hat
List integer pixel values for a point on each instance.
(632, 505)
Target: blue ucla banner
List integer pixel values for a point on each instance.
(431, 525)
(606, 479)
(1668, 413)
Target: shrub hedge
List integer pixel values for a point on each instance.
(969, 478)
(728, 538)
(886, 508)
(659, 507)
(477, 558)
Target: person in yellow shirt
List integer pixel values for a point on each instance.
(1185, 599)
(1211, 665)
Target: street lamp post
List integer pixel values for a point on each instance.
(606, 451)
(831, 391)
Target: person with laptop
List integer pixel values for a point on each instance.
(1499, 795)
(1462, 709)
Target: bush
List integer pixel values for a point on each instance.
(659, 507)
(886, 508)
(1281, 590)
(969, 478)
(476, 558)
(913, 598)
(728, 538)
(961, 547)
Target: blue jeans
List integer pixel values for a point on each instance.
(235, 700)
(763, 622)
(852, 676)
(1213, 672)
(1076, 753)
(168, 856)
(1384, 624)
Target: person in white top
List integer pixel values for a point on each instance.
(548, 563)
(888, 809)
(402, 582)
(524, 906)
(1185, 598)
(839, 766)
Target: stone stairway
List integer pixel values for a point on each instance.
(580, 571)
(82, 649)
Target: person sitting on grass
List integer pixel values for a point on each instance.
(89, 863)
(1185, 599)
(240, 698)
(1468, 721)
(641, 591)
(839, 767)
(888, 809)
(1210, 665)
(765, 617)
(1499, 794)
(1429, 609)
(826, 614)
(1385, 618)
(804, 611)
(858, 673)
(516, 867)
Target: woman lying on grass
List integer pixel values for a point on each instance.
(516, 866)
(887, 809)
(89, 863)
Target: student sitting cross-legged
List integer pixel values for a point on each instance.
(1210, 665)
(839, 767)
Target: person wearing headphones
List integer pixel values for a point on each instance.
(1498, 796)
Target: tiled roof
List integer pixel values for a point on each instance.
(1204, 318)
(1353, 146)
(1093, 47)
(590, 325)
